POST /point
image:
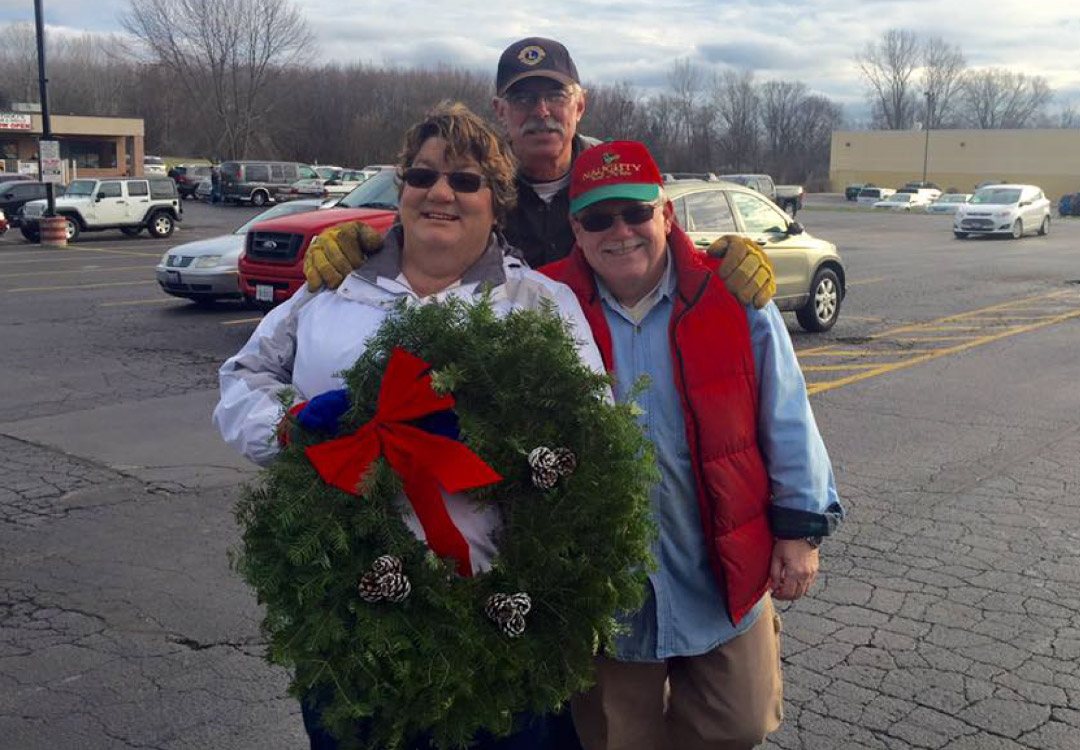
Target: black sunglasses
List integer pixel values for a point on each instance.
(601, 221)
(460, 182)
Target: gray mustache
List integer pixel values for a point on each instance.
(541, 125)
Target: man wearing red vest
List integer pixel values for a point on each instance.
(746, 490)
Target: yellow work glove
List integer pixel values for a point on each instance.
(746, 269)
(337, 251)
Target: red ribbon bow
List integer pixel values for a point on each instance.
(424, 461)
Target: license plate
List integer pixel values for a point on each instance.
(173, 277)
(264, 293)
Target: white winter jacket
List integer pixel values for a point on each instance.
(308, 341)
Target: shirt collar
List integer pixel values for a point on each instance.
(487, 270)
(636, 313)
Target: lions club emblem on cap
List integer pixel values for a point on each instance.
(531, 55)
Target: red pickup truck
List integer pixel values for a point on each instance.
(272, 264)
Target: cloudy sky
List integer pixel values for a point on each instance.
(809, 40)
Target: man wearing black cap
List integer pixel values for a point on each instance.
(539, 102)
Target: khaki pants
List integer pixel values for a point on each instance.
(727, 699)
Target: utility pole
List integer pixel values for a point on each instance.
(929, 121)
(46, 125)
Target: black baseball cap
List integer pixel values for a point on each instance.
(534, 56)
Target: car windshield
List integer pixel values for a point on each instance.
(899, 198)
(378, 191)
(80, 187)
(996, 196)
(952, 198)
(281, 209)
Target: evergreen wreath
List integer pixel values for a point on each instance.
(365, 613)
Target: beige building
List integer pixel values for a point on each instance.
(91, 146)
(959, 159)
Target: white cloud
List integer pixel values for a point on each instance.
(809, 40)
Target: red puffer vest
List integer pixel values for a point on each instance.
(714, 372)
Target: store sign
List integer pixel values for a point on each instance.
(15, 121)
(52, 170)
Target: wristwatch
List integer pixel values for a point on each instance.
(813, 541)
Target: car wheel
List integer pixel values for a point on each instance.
(259, 199)
(823, 308)
(1017, 229)
(161, 225)
(960, 235)
(30, 234)
(71, 228)
(1044, 228)
(131, 231)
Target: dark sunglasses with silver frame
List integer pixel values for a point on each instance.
(601, 221)
(460, 182)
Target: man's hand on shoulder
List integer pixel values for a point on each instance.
(337, 251)
(745, 269)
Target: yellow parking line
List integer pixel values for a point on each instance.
(919, 339)
(86, 249)
(76, 286)
(241, 321)
(864, 353)
(76, 270)
(875, 280)
(894, 366)
(837, 368)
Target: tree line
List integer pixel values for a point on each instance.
(911, 79)
(211, 82)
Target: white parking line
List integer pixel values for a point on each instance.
(163, 301)
(77, 286)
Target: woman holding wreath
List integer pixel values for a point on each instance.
(457, 185)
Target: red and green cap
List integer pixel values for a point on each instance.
(616, 170)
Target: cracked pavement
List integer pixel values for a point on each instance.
(947, 615)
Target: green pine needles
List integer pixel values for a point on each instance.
(434, 664)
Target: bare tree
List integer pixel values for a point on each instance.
(225, 52)
(737, 104)
(780, 112)
(888, 65)
(999, 98)
(942, 76)
(685, 80)
(613, 111)
(18, 60)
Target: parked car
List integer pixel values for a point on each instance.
(868, 196)
(676, 176)
(328, 171)
(188, 176)
(1065, 204)
(206, 270)
(258, 182)
(204, 190)
(16, 176)
(3, 224)
(902, 202)
(810, 276)
(851, 192)
(129, 204)
(272, 265)
(15, 195)
(307, 188)
(948, 203)
(153, 166)
(926, 193)
(762, 183)
(1013, 210)
(790, 198)
(921, 184)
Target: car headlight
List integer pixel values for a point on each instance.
(206, 261)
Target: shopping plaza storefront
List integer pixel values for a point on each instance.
(89, 146)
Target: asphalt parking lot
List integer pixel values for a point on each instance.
(947, 615)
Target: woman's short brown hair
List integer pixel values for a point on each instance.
(467, 136)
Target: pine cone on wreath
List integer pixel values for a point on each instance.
(545, 479)
(384, 581)
(565, 461)
(508, 611)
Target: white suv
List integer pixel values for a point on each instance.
(127, 204)
(1014, 210)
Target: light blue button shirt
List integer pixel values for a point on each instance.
(685, 613)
